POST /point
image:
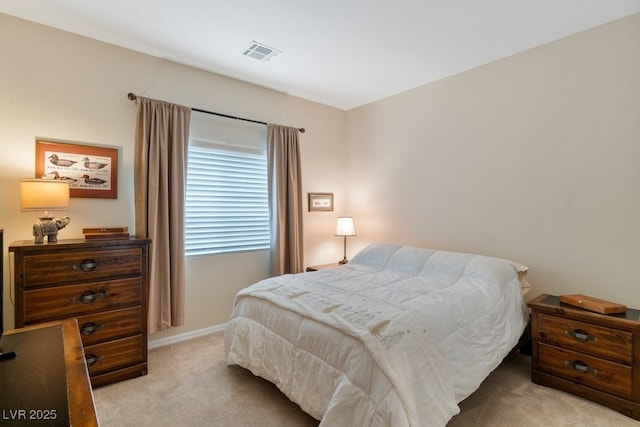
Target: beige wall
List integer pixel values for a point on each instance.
(535, 158)
(61, 86)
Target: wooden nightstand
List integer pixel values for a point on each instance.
(321, 266)
(592, 355)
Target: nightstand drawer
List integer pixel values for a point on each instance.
(61, 302)
(611, 377)
(108, 325)
(65, 267)
(586, 338)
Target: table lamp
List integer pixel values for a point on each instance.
(45, 195)
(345, 228)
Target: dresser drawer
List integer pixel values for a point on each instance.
(73, 300)
(610, 377)
(75, 266)
(596, 340)
(108, 325)
(114, 354)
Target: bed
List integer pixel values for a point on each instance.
(396, 337)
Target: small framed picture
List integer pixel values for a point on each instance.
(90, 170)
(320, 202)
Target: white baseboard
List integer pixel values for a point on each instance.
(161, 342)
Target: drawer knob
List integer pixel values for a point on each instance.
(580, 366)
(86, 265)
(92, 359)
(89, 328)
(580, 335)
(88, 297)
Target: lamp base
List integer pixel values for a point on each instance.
(344, 259)
(47, 226)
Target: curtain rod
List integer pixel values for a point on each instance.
(132, 96)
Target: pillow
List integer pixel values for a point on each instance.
(522, 275)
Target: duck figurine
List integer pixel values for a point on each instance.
(61, 162)
(93, 165)
(93, 181)
(56, 175)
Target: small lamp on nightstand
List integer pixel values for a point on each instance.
(345, 229)
(45, 195)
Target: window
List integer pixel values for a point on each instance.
(226, 199)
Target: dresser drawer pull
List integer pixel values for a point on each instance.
(88, 297)
(581, 335)
(87, 265)
(89, 328)
(580, 366)
(92, 359)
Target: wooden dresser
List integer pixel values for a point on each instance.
(101, 283)
(592, 355)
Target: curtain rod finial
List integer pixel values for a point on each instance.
(131, 96)
(302, 130)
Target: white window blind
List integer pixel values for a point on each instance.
(226, 200)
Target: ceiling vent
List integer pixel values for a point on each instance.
(260, 51)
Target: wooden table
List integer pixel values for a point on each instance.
(47, 382)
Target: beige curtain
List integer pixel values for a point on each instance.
(285, 199)
(162, 140)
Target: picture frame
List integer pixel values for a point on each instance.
(320, 202)
(92, 171)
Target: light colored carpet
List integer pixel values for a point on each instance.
(189, 385)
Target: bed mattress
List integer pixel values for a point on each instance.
(399, 336)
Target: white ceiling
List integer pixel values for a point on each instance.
(343, 53)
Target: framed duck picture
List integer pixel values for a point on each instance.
(91, 171)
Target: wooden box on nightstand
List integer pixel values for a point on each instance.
(593, 355)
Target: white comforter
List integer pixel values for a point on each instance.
(396, 337)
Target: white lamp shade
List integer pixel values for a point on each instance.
(345, 226)
(44, 195)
